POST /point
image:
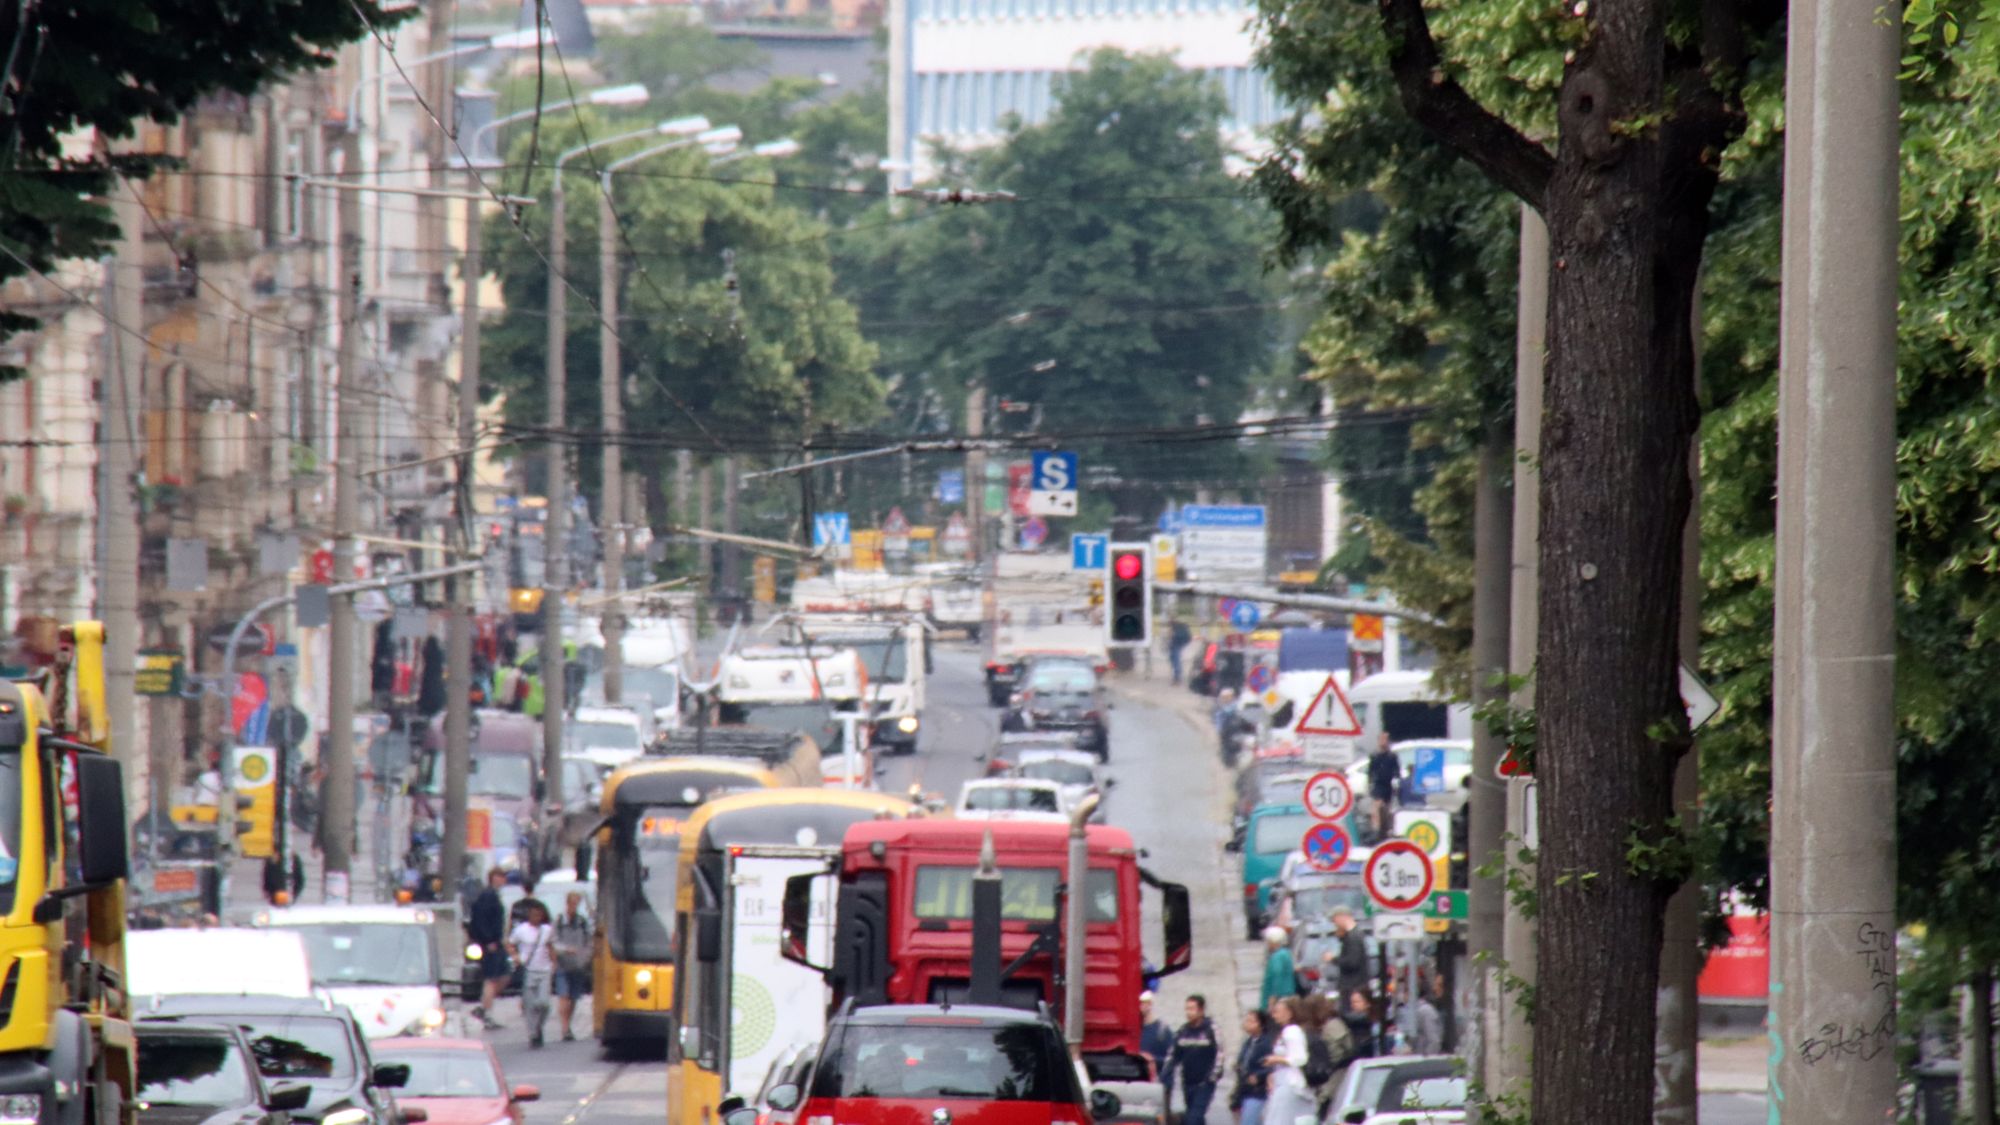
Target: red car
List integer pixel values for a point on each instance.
(933, 1064)
(454, 1081)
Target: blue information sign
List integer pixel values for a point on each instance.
(830, 529)
(1087, 552)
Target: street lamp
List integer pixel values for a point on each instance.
(507, 41)
(631, 93)
(775, 150)
(715, 141)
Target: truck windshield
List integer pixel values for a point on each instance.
(1022, 1062)
(886, 658)
(345, 954)
(814, 720)
(10, 823)
(501, 775)
(1027, 894)
(204, 1070)
(642, 880)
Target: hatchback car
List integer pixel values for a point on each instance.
(1066, 697)
(203, 1074)
(315, 1043)
(1075, 771)
(945, 1064)
(455, 1081)
(1012, 798)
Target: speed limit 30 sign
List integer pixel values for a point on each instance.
(1328, 796)
(1399, 876)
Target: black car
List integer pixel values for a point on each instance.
(1062, 697)
(203, 1074)
(314, 1043)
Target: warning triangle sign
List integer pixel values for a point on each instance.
(1329, 713)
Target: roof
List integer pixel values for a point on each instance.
(664, 781)
(903, 1013)
(792, 815)
(250, 1005)
(365, 912)
(966, 835)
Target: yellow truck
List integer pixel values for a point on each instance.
(66, 1043)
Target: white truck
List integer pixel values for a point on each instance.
(895, 657)
(957, 597)
(778, 687)
(1041, 608)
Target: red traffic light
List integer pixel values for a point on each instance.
(1126, 567)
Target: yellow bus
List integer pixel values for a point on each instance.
(738, 1003)
(644, 804)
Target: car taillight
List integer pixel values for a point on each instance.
(1249, 890)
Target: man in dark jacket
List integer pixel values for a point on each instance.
(1197, 1058)
(486, 927)
(1384, 773)
(1351, 959)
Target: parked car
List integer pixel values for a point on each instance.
(1062, 695)
(456, 1081)
(908, 1062)
(1400, 1087)
(1012, 798)
(791, 1068)
(203, 1074)
(314, 1042)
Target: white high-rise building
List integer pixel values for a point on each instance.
(958, 68)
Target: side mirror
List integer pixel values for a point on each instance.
(783, 1097)
(411, 1114)
(1104, 1105)
(708, 936)
(100, 784)
(690, 1042)
(526, 1093)
(741, 1115)
(1233, 844)
(391, 1075)
(287, 1097)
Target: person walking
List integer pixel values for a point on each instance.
(486, 927)
(1350, 958)
(1178, 636)
(1197, 1058)
(1321, 1016)
(532, 945)
(1253, 1087)
(1360, 1020)
(1426, 1029)
(573, 953)
(1291, 1098)
(1384, 771)
(1156, 1039)
(1281, 977)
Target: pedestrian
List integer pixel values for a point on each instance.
(486, 927)
(1320, 1014)
(1156, 1039)
(532, 945)
(1178, 636)
(1253, 1086)
(1426, 1025)
(1383, 773)
(573, 954)
(1292, 1101)
(1350, 958)
(1197, 1058)
(1360, 1020)
(1281, 977)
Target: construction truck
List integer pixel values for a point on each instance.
(66, 1043)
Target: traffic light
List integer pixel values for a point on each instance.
(1128, 621)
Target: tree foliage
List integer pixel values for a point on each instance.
(1122, 290)
(107, 65)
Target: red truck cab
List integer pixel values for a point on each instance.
(903, 924)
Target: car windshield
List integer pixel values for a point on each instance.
(192, 1070)
(299, 1046)
(1068, 678)
(1027, 894)
(10, 823)
(1279, 832)
(1444, 1092)
(441, 1073)
(502, 775)
(363, 953)
(1059, 771)
(613, 735)
(1319, 901)
(1010, 798)
(1022, 1062)
(656, 684)
(885, 658)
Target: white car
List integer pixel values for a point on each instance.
(1457, 766)
(1074, 770)
(379, 961)
(609, 736)
(1012, 798)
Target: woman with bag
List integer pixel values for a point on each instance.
(532, 945)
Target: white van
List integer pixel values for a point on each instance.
(379, 961)
(1409, 707)
(895, 656)
(219, 962)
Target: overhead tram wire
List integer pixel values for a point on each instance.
(514, 218)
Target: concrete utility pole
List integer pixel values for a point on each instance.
(1486, 814)
(118, 523)
(1833, 763)
(555, 536)
(459, 600)
(1512, 1062)
(975, 468)
(611, 502)
(337, 802)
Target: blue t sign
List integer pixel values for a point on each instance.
(1086, 552)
